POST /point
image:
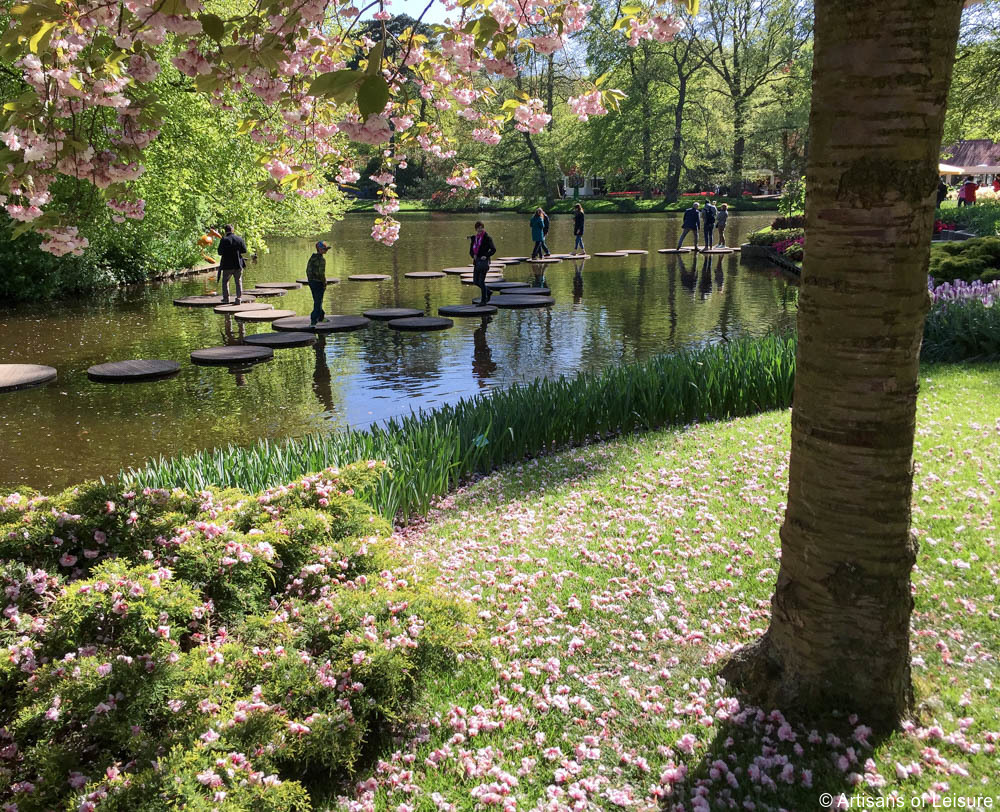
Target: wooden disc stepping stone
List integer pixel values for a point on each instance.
(467, 311)
(279, 341)
(467, 280)
(424, 274)
(716, 251)
(421, 323)
(389, 313)
(231, 356)
(21, 376)
(207, 301)
(631, 251)
(675, 250)
(330, 281)
(331, 324)
(127, 371)
(266, 292)
(369, 277)
(548, 260)
(263, 315)
(463, 269)
(610, 254)
(280, 285)
(505, 285)
(518, 301)
(529, 291)
(238, 308)
(510, 259)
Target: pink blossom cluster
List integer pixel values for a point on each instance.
(464, 177)
(135, 210)
(385, 230)
(63, 240)
(375, 130)
(587, 105)
(531, 116)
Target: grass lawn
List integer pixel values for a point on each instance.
(611, 580)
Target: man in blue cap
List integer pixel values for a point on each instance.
(316, 276)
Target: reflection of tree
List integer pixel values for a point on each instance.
(483, 366)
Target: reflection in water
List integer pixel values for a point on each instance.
(483, 366)
(705, 285)
(321, 377)
(687, 274)
(578, 281)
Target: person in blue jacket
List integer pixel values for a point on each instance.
(538, 234)
(691, 223)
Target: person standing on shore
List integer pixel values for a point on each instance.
(481, 248)
(316, 277)
(578, 219)
(538, 234)
(231, 262)
(690, 223)
(709, 214)
(720, 223)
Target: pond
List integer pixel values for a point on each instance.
(607, 311)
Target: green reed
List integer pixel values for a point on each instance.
(428, 452)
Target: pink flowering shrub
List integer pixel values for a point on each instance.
(218, 649)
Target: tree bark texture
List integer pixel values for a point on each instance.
(676, 159)
(839, 633)
(739, 145)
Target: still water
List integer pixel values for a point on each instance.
(607, 311)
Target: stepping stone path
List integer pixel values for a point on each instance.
(489, 278)
(280, 340)
(231, 356)
(266, 292)
(529, 291)
(245, 306)
(505, 285)
(421, 323)
(389, 313)
(631, 251)
(510, 259)
(205, 301)
(329, 281)
(716, 251)
(369, 277)
(675, 250)
(331, 324)
(424, 274)
(517, 302)
(467, 311)
(263, 315)
(127, 371)
(547, 260)
(280, 285)
(21, 376)
(610, 254)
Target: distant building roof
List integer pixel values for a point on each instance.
(972, 153)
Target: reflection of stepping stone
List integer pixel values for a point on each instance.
(424, 274)
(280, 340)
(467, 311)
(280, 285)
(518, 301)
(388, 313)
(138, 370)
(631, 251)
(231, 356)
(329, 281)
(206, 301)
(529, 291)
(234, 308)
(262, 315)
(266, 292)
(421, 323)
(369, 277)
(331, 324)
(610, 254)
(675, 250)
(21, 376)
(505, 285)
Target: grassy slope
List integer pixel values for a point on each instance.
(612, 579)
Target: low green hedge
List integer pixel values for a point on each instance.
(770, 236)
(967, 260)
(172, 649)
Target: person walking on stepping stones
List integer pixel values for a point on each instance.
(316, 277)
(578, 218)
(231, 262)
(538, 234)
(690, 223)
(720, 224)
(481, 248)
(709, 213)
(545, 233)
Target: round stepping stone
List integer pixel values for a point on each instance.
(329, 281)
(280, 285)
(263, 315)
(510, 259)
(389, 313)
(631, 251)
(421, 323)
(716, 251)
(369, 277)
(266, 292)
(547, 260)
(466, 269)
(488, 280)
(610, 254)
(243, 306)
(331, 324)
(559, 256)
(280, 340)
(505, 285)
(231, 356)
(137, 370)
(529, 291)
(675, 250)
(424, 274)
(207, 301)
(517, 302)
(467, 311)
(21, 376)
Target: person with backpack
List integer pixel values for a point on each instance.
(316, 277)
(708, 215)
(231, 262)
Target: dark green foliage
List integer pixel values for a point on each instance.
(962, 331)
(770, 236)
(967, 260)
(793, 221)
(982, 219)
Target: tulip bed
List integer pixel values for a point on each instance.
(206, 650)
